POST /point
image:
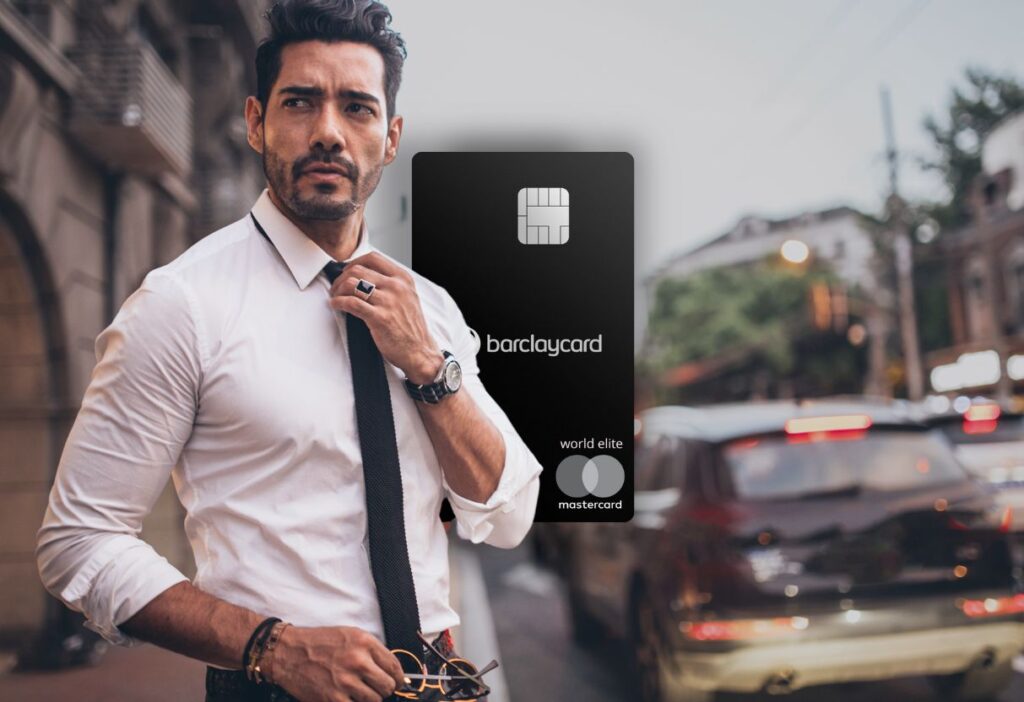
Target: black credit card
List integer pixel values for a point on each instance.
(537, 251)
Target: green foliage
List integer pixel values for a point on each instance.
(931, 291)
(974, 109)
(755, 310)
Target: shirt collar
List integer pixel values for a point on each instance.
(304, 257)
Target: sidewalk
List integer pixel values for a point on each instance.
(144, 673)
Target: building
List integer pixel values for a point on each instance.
(121, 143)
(985, 271)
(837, 235)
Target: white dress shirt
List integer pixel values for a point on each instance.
(228, 371)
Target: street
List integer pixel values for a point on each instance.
(542, 665)
(511, 610)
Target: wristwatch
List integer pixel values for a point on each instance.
(447, 382)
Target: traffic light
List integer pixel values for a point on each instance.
(829, 306)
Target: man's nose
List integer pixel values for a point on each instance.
(328, 130)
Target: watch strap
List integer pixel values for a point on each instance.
(434, 392)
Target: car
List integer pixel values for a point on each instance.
(785, 544)
(989, 442)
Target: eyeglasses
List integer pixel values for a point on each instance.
(456, 679)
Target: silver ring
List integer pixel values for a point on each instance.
(366, 288)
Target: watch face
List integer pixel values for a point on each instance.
(453, 376)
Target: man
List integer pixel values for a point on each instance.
(309, 411)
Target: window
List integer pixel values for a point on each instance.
(662, 465)
(991, 192)
(37, 12)
(976, 285)
(782, 468)
(147, 29)
(1018, 281)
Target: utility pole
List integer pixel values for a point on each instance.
(897, 216)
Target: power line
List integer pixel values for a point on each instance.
(841, 81)
(802, 57)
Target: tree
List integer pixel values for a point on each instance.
(974, 109)
(757, 315)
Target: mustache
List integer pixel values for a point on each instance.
(351, 171)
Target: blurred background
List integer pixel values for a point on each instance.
(830, 202)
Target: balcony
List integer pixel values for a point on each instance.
(129, 110)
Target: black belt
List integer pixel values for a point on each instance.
(234, 686)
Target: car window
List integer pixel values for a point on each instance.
(782, 467)
(704, 477)
(1001, 463)
(647, 456)
(662, 465)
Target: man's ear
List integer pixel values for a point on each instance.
(394, 136)
(254, 123)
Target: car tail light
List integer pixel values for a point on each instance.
(743, 444)
(993, 606)
(804, 425)
(738, 629)
(1000, 518)
(981, 419)
(846, 426)
(976, 413)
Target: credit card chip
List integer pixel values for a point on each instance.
(543, 216)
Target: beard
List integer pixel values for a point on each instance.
(325, 203)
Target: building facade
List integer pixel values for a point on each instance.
(122, 142)
(837, 235)
(985, 264)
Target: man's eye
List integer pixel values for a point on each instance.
(363, 109)
(294, 102)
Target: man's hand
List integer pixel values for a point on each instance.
(334, 664)
(393, 314)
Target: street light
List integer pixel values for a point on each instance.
(856, 334)
(795, 251)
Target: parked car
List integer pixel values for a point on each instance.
(989, 442)
(547, 545)
(781, 545)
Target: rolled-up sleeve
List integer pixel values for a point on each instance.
(507, 515)
(136, 415)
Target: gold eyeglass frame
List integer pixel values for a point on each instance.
(436, 681)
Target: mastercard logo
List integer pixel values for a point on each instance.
(600, 476)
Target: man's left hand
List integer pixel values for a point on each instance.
(392, 313)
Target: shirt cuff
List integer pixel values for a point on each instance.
(116, 584)
(477, 521)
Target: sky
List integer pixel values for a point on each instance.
(730, 108)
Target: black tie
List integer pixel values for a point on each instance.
(385, 521)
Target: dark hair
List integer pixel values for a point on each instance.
(364, 21)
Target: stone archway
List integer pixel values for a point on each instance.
(33, 419)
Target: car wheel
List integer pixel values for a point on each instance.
(652, 680)
(974, 685)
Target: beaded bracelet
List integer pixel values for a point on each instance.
(258, 638)
(265, 672)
